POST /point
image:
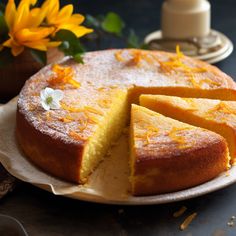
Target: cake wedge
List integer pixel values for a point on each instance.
(167, 155)
(216, 115)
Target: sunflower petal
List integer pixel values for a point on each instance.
(36, 17)
(53, 44)
(76, 19)
(51, 7)
(29, 2)
(8, 43)
(10, 13)
(34, 34)
(21, 17)
(38, 45)
(66, 12)
(79, 31)
(62, 16)
(17, 50)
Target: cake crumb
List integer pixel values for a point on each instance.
(180, 212)
(187, 221)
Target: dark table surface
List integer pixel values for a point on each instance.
(42, 213)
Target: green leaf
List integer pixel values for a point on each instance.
(39, 56)
(70, 45)
(78, 58)
(113, 23)
(5, 57)
(133, 40)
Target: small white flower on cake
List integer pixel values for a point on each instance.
(50, 98)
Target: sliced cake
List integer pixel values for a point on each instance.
(70, 141)
(168, 155)
(216, 115)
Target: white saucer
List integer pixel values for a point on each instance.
(219, 53)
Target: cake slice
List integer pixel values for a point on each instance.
(168, 155)
(70, 142)
(216, 115)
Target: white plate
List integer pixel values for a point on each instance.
(108, 184)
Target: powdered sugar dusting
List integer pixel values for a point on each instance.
(101, 76)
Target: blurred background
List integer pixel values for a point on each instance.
(144, 17)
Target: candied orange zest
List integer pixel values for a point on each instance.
(48, 116)
(104, 103)
(194, 82)
(76, 136)
(209, 81)
(222, 108)
(180, 212)
(178, 52)
(93, 110)
(83, 125)
(64, 120)
(101, 89)
(148, 59)
(150, 133)
(63, 75)
(173, 134)
(118, 56)
(69, 108)
(199, 69)
(93, 119)
(187, 221)
(67, 119)
(176, 64)
(136, 57)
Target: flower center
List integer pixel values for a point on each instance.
(49, 100)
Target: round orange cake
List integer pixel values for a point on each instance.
(69, 142)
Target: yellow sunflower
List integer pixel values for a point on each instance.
(64, 18)
(24, 27)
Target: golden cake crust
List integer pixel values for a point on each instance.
(169, 155)
(54, 155)
(57, 146)
(173, 174)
